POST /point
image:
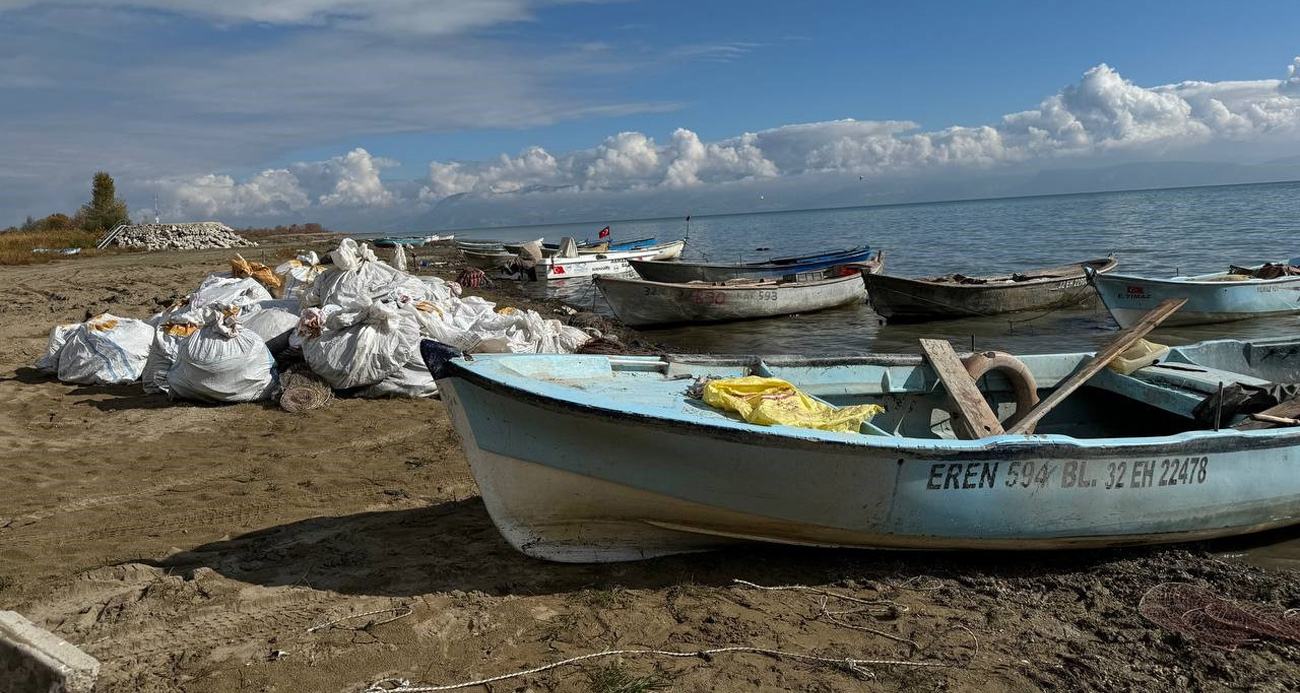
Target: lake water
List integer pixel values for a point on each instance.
(1158, 232)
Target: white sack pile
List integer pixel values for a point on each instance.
(224, 361)
(297, 275)
(357, 323)
(364, 301)
(105, 350)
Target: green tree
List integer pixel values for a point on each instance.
(105, 210)
(56, 222)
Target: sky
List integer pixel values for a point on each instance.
(371, 113)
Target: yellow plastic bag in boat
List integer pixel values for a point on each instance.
(772, 401)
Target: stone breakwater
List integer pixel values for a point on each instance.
(196, 236)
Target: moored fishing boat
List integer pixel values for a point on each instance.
(606, 245)
(490, 254)
(657, 270)
(392, 241)
(900, 299)
(487, 259)
(1238, 295)
(641, 303)
(559, 266)
(483, 246)
(1122, 461)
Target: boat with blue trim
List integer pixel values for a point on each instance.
(592, 458)
(1243, 293)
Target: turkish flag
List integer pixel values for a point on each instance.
(604, 233)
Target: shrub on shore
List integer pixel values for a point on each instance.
(18, 247)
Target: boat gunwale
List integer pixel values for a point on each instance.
(771, 263)
(1179, 281)
(706, 286)
(1003, 447)
(1107, 264)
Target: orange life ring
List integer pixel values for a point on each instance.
(1015, 371)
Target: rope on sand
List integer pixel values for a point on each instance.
(855, 665)
(400, 612)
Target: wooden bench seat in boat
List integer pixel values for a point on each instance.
(1177, 389)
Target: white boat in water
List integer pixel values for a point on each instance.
(641, 303)
(1211, 298)
(586, 458)
(568, 266)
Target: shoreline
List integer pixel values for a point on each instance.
(183, 545)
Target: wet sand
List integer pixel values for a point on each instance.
(184, 545)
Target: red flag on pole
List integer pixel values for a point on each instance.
(604, 233)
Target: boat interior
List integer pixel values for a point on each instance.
(1257, 273)
(1156, 400)
(834, 272)
(1050, 273)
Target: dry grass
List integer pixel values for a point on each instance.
(16, 246)
(616, 678)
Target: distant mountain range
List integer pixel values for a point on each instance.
(549, 205)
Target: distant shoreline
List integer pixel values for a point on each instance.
(962, 200)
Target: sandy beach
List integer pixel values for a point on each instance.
(200, 548)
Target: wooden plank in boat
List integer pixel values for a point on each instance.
(1289, 409)
(1119, 345)
(962, 390)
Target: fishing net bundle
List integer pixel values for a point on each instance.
(1201, 615)
(473, 278)
(303, 390)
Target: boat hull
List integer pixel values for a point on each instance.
(494, 259)
(899, 299)
(658, 270)
(1128, 298)
(641, 303)
(578, 497)
(589, 265)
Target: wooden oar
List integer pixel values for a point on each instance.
(1126, 339)
(962, 390)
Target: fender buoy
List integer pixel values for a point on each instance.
(1015, 370)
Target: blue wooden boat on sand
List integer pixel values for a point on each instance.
(1236, 295)
(587, 458)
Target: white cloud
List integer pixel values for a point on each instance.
(347, 181)
(269, 192)
(1101, 114)
(420, 17)
(351, 180)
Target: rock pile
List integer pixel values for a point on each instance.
(196, 236)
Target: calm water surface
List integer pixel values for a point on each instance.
(1161, 233)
